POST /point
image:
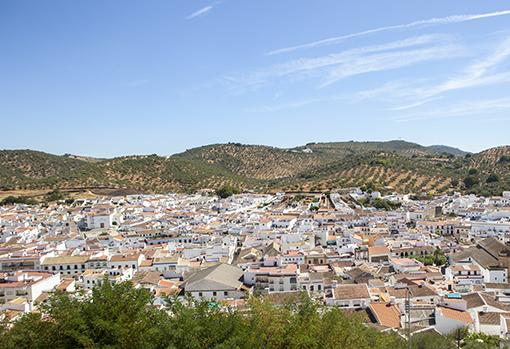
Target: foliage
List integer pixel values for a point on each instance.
(383, 166)
(13, 200)
(431, 341)
(54, 195)
(470, 182)
(437, 258)
(492, 178)
(226, 191)
(481, 341)
(385, 204)
(505, 159)
(120, 316)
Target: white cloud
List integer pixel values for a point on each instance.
(416, 104)
(482, 72)
(200, 12)
(389, 61)
(295, 104)
(463, 108)
(476, 73)
(421, 23)
(356, 61)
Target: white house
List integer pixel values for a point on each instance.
(449, 319)
(351, 296)
(29, 285)
(222, 281)
(65, 265)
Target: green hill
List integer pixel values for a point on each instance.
(389, 166)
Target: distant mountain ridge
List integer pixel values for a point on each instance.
(388, 166)
(448, 150)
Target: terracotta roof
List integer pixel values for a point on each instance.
(65, 283)
(378, 250)
(477, 299)
(415, 290)
(387, 315)
(462, 316)
(351, 291)
(122, 258)
(490, 318)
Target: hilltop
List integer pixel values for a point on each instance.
(389, 166)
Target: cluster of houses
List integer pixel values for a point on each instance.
(434, 265)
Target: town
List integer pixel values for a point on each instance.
(417, 265)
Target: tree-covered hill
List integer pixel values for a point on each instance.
(388, 166)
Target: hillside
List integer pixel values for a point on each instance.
(389, 166)
(447, 150)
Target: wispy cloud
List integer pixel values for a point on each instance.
(296, 104)
(389, 61)
(200, 12)
(356, 61)
(478, 72)
(463, 108)
(482, 72)
(420, 23)
(416, 104)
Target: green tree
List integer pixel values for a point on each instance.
(13, 200)
(492, 178)
(470, 182)
(54, 195)
(120, 316)
(431, 340)
(226, 191)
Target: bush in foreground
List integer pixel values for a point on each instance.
(120, 316)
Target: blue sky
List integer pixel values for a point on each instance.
(107, 78)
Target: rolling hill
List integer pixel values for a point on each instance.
(388, 166)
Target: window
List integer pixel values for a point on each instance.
(200, 294)
(225, 293)
(214, 293)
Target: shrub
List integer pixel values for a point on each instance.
(470, 182)
(226, 191)
(492, 178)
